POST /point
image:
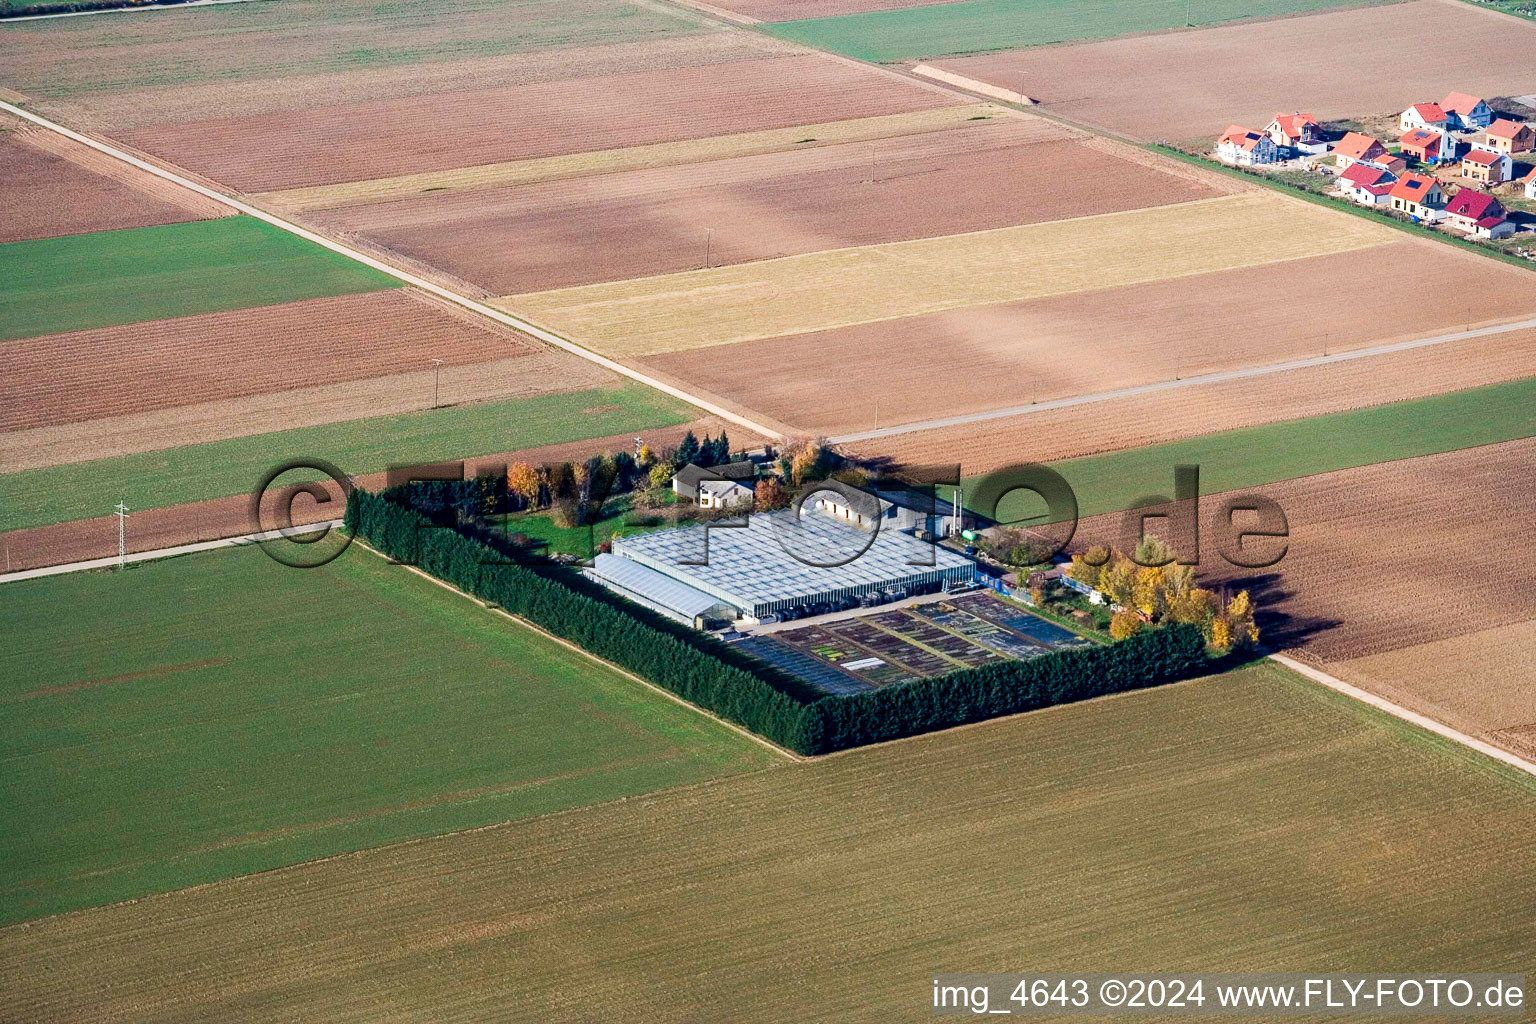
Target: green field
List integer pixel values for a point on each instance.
(1246, 822)
(1251, 456)
(975, 26)
(107, 278)
(217, 714)
(82, 490)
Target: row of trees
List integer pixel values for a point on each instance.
(726, 682)
(1163, 591)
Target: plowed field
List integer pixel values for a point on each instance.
(1011, 354)
(348, 142)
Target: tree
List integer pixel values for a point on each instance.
(661, 475)
(1086, 568)
(1196, 607)
(1243, 630)
(1221, 635)
(1124, 625)
(770, 494)
(1118, 581)
(687, 451)
(524, 485)
(1152, 551)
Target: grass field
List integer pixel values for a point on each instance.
(1206, 826)
(217, 714)
(979, 25)
(843, 287)
(197, 472)
(108, 278)
(1251, 456)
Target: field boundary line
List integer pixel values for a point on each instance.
(518, 323)
(788, 754)
(1219, 377)
(173, 5)
(157, 553)
(1398, 711)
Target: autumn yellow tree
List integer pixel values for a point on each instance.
(523, 482)
(661, 475)
(1087, 566)
(770, 494)
(1117, 581)
(1125, 624)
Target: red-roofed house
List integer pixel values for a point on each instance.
(1487, 167)
(1419, 196)
(1530, 185)
(1426, 146)
(1356, 148)
(1368, 186)
(1245, 148)
(1464, 111)
(1422, 115)
(1506, 136)
(1299, 132)
(1478, 214)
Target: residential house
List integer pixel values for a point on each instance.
(1530, 185)
(1368, 186)
(1428, 147)
(1466, 112)
(1418, 196)
(1356, 148)
(1478, 214)
(724, 493)
(1506, 136)
(1299, 133)
(685, 483)
(1486, 167)
(1422, 115)
(1245, 148)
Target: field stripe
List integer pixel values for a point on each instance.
(631, 158)
(844, 287)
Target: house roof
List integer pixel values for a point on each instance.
(692, 475)
(1366, 176)
(1421, 138)
(1475, 205)
(1531, 176)
(1504, 128)
(1242, 137)
(1413, 187)
(1429, 113)
(1460, 102)
(1490, 222)
(1293, 126)
(1356, 146)
(1483, 156)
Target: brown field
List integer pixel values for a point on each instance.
(156, 528)
(792, 10)
(888, 281)
(162, 364)
(1205, 408)
(997, 356)
(529, 374)
(618, 226)
(348, 142)
(1247, 822)
(50, 186)
(1190, 85)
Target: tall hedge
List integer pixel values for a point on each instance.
(742, 690)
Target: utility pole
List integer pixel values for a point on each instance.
(437, 369)
(122, 545)
(872, 176)
(709, 240)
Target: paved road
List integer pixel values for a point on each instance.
(474, 305)
(1183, 382)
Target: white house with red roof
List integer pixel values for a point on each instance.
(1298, 132)
(1355, 148)
(1466, 111)
(1478, 214)
(1366, 185)
(1245, 148)
(1418, 196)
(1487, 167)
(1530, 185)
(1422, 115)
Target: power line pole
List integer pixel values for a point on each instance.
(709, 240)
(122, 545)
(437, 369)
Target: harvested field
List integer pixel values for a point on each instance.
(528, 375)
(632, 158)
(1184, 86)
(169, 526)
(846, 287)
(50, 188)
(792, 10)
(1205, 408)
(180, 732)
(621, 226)
(1012, 354)
(162, 364)
(1086, 834)
(386, 138)
(263, 42)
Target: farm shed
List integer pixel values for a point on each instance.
(685, 483)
